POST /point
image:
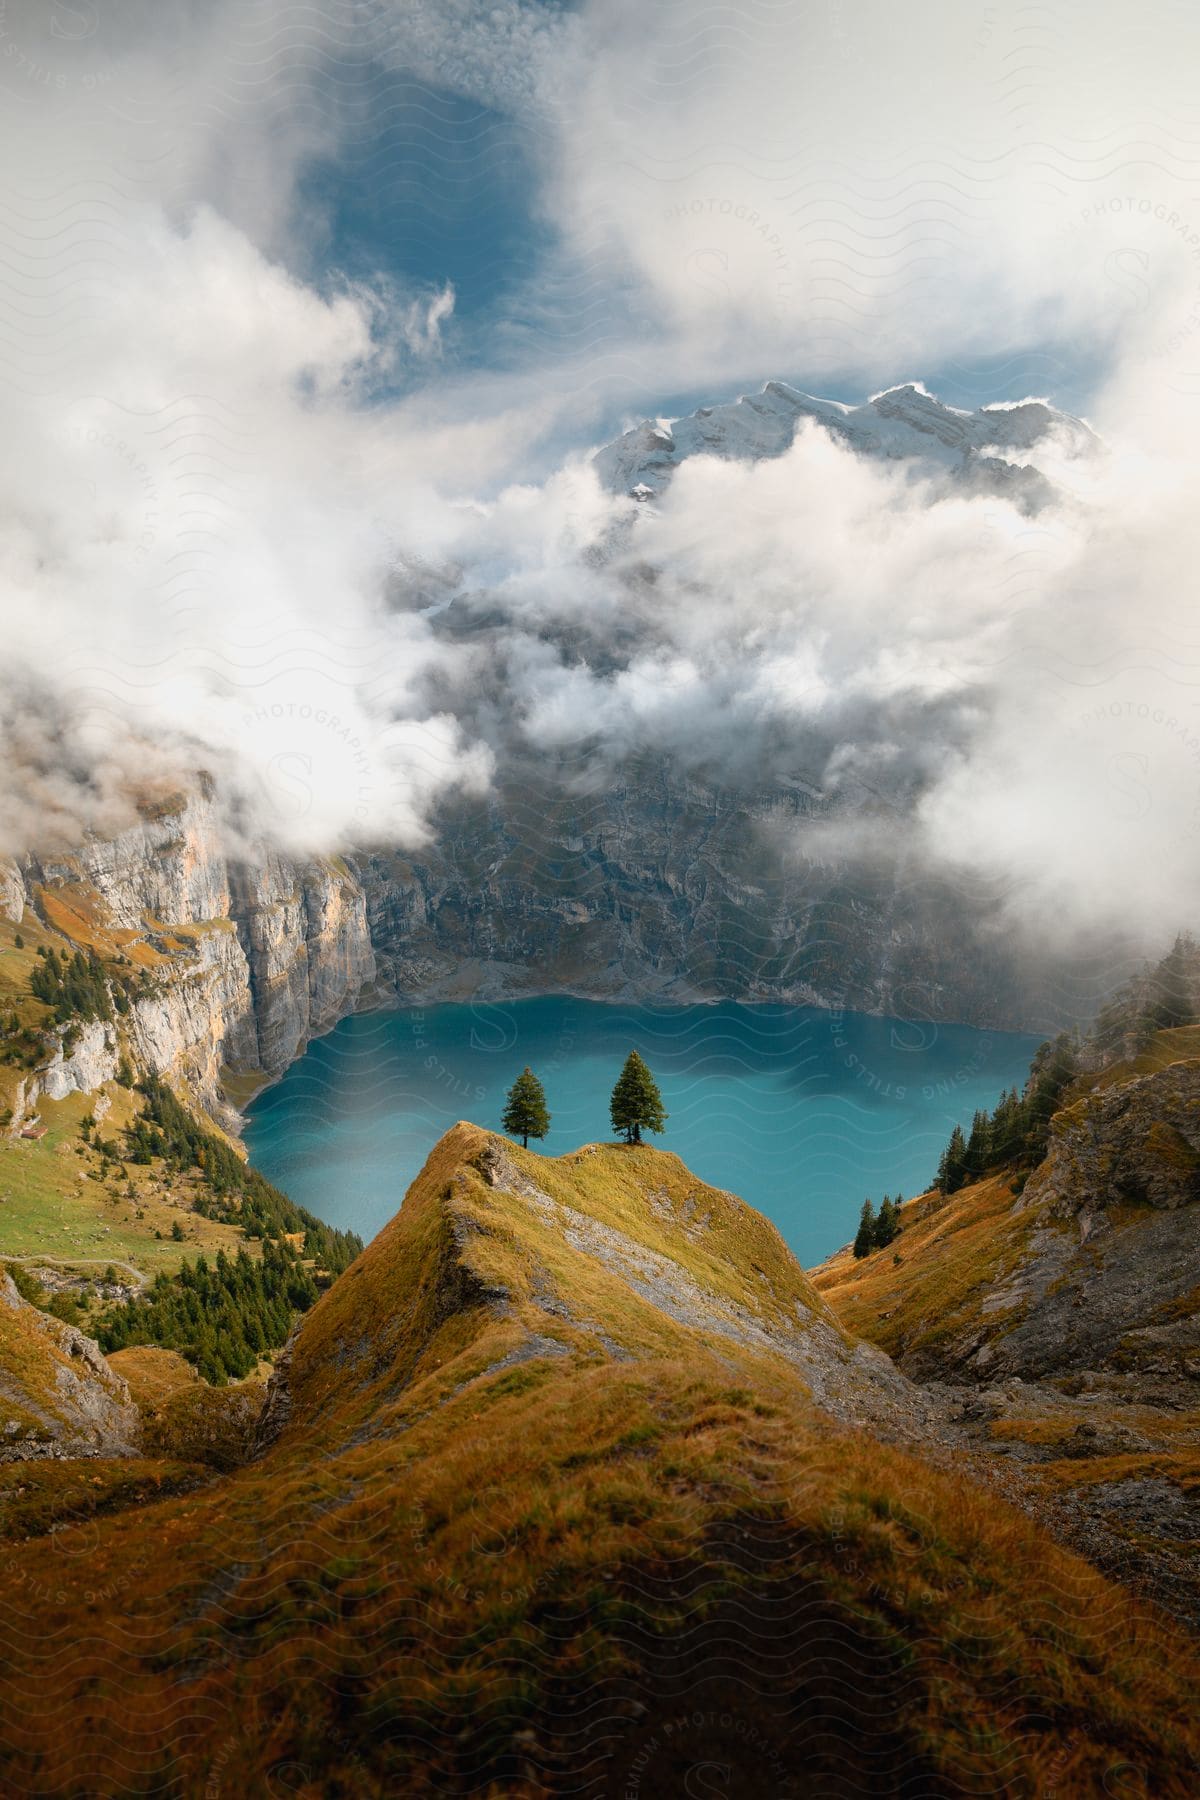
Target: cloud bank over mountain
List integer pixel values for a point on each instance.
(303, 530)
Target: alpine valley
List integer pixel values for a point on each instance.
(572, 1481)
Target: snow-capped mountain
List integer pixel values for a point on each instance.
(989, 447)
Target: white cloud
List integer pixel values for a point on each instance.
(217, 543)
(192, 547)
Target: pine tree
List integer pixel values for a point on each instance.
(1005, 1129)
(952, 1169)
(979, 1145)
(1055, 1065)
(887, 1225)
(1171, 1003)
(525, 1114)
(864, 1243)
(636, 1102)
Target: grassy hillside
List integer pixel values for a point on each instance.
(55, 1204)
(550, 1508)
(116, 1196)
(1066, 1299)
(55, 1387)
(927, 1288)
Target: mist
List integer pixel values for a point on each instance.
(304, 531)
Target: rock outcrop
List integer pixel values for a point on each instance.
(243, 961)
(1061, 1323)
(12, 891)
(58, 1395)
(90, 1061)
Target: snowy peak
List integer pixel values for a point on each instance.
(901, 423)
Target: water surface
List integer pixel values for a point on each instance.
(802, 1112)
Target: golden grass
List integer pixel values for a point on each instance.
(1180, 1044)
(1180, 1467)
(40, 1499)
(183, 1415)
(445, 1555)
(81, 915)
(153, 1376)
(32, 1372)
(952, 1250)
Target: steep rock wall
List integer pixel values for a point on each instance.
(250, 959)
(660, 887)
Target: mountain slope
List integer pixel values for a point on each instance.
(547, 1504)
(1067, 1309)
(58, 1395)
(1071, 1272)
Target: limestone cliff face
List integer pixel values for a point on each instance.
(244, 961)
(200, 1015)
(168, 869)
(90, 1061)
(303, 932)
(12, 891)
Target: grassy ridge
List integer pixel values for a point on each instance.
(513, 1533)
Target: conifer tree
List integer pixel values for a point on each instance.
(952, 1169)
(525, 1114)
(979, 1145)
(636, 1103)
(1171, 1002)
(887, 1225)
(1055, 1065)
(864, 1242)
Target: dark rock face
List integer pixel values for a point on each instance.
(663, 889)
(1136, 1144)
(1110, 1253)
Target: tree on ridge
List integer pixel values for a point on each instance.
(636, 1104)
(525, 1114)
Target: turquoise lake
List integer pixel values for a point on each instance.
(803, 1113)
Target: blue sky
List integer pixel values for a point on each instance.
(482, 183)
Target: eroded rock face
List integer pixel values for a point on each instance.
(90, 1061)
(1137, 1144)
(58, 1395)
(202, 1017)
(12, 891)
(274, 953)
(663, 888)
(1114, 1252)
(169, 868)
(308, 952)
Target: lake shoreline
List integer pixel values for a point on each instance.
(802, 1111)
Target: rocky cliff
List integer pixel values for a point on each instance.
(240, 962)
(1065, 1313)
(662, 887)
(657, 888)
(58, 1395)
